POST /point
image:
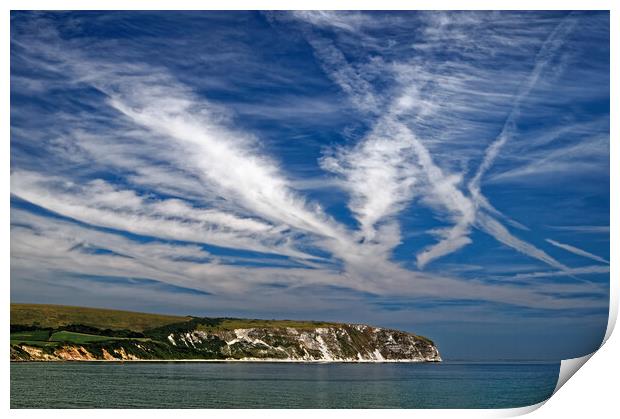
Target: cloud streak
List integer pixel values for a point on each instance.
(60, 246)
(577, 251)
(382, 169)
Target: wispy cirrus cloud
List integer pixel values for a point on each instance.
(225, 160)
(583, 229)
(584, 270)
(577, 251)
(45, 245)
(551, 45)
(98, 203)
(379, 175)
(389, 178)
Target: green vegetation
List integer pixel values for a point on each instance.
(53, 316)
(33, 342)
(425, 339)
(32, 335)
(73, 337)
(211, 325)
(47, 338)
(43, 316)
(231, 324)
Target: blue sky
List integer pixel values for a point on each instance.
(445, 173)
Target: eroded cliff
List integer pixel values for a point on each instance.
(196, 341)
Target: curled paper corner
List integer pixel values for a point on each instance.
(568, 368)
(613, 314)
(519, 411)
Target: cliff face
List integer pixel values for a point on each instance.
(341, 343)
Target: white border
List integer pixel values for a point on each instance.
(573, 401)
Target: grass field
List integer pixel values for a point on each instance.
(35, 335)
(57, 316)
(34, 342)
(43, 338)
(73, 337)
(230, 324)
(54, 316)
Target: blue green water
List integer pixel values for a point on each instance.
(279, 385)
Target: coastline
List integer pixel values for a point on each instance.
(254, 360)
(109, 335)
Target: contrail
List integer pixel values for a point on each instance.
(577, 251)
(465, 210)
(551, 45)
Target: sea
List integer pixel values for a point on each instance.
(280, 385)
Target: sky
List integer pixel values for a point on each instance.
(445, 173)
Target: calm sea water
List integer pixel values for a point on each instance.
(279, 385)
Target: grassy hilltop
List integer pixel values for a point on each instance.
(54, 316)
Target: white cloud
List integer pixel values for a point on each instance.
(44, 249)
(577, 251)
(345, 20)
(588, 156)
(100, 204)
(380, 175)
(383, 168)
(495, 229)
(226, 158)
(547, 51)
(583, 229)
(351, 81)
(584, 270)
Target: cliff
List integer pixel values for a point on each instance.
(221, 339)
